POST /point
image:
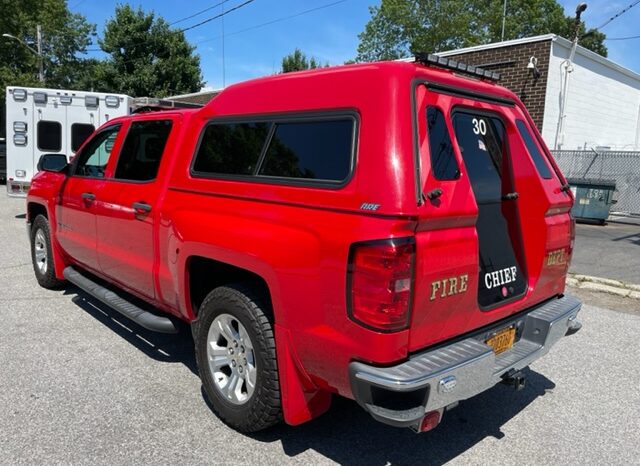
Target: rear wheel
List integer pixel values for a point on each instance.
(42, 254)
(235, 350)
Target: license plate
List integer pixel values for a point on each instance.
(502, 340)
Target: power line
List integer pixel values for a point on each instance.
(277, 20)
(622, 38)
(220, 16)
(199, 12)
(224, 13)
(620, 13)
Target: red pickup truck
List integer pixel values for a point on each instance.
(396, 233)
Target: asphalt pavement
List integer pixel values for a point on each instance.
(81, 385)
(608, 251)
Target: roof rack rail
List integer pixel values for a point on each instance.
(431, 59)
(146, 104)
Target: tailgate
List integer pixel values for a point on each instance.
(494, 232)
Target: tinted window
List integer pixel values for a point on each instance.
(231, 148)
(49, 136)
(142, 150)
(443, 160)
(93, 159)
(79, 134)
(318, 150)
(532, 147)
(481, 141)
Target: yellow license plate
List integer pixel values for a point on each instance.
(502, 340)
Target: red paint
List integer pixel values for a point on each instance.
(298, 239)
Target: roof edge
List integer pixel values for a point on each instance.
(497, 45)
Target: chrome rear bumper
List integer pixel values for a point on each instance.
(434, 379)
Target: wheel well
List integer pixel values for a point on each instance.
(205, 274)
(33, 210)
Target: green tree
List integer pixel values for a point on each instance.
(146, 57)
(298, 61)
(398, 28)
(65, 36)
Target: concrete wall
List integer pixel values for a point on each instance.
(603, 102)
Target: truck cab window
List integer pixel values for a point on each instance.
(142, 150)
(93, 160)
(49, 136)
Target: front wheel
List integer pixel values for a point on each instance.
(235, 350)
(42, 254)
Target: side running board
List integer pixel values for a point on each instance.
(143, 318)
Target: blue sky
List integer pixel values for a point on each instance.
(329, 33)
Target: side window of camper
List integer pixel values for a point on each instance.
(532, 148)
(79, 134)
(94, 157)
(49, 136)
(142, 150)
(314, 150)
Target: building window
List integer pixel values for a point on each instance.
(49, 135)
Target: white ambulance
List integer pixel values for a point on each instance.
(43, 121)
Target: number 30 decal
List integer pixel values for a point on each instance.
(479, 126)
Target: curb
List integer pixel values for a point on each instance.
(604, 285)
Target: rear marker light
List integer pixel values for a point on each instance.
(430, 421)
(380, 283)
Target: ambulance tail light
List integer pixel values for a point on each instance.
(380, 278)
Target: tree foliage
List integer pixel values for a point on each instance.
(298, 61)
(65, 35)
(146, 57)
(398, 28)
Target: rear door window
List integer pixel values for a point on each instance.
(481, 141)
(79, 134)
(49, 136)
(532, 148)
(142, 150)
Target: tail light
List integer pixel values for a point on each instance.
(380, 283)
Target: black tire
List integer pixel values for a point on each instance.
(43, 265)
(262, 409)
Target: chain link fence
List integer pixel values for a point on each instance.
(623, 167)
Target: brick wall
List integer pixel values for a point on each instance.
(511, 62)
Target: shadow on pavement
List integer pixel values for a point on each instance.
(346, 434)
(158, 346)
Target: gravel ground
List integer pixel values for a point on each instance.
(80, 385)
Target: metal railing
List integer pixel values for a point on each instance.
(623, 167)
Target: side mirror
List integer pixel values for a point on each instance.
(56, 163)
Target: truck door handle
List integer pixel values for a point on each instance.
(141, 207)
(89, 197)
(510, 197)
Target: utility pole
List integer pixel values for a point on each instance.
(40, 60)
(504, 17)
(37, 52)
(567, 66)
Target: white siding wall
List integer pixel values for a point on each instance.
(603, 103)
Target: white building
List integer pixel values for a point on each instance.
(602, 98)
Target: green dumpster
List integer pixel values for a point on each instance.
(594, 198)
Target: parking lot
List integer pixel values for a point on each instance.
(81, 385)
